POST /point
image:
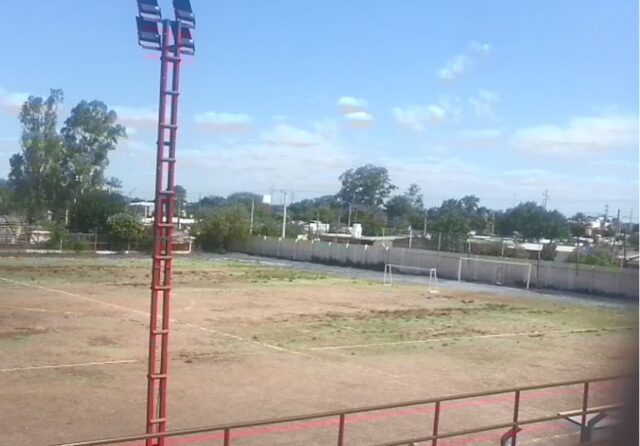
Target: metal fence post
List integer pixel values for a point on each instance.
(583, 421)
(341, 430)
(516, 410)
(436, 421)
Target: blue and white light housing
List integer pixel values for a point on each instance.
(149, 10)
(184, 13)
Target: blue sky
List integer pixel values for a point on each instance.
(500, 99)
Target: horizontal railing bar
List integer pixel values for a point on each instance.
(500, 426)
(328, 414)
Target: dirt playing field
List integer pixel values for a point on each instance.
(252, 341)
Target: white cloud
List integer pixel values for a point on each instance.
(417, 117)
(287, 135)
(359, 119)
(454, 68)
(350, 104)
(528, 172)
(480, 48)
(285, 156)
(483, 103)
(580, 136)
(137, 117)
(224, 122)
(481, 133)
(458, 65)
(11, 102)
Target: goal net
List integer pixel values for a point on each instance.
(501, 272)
(431, 273)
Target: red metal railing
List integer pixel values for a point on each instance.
(436, 435)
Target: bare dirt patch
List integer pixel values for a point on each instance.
(395, 343)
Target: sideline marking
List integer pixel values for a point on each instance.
(42, 310)
(498, 335)
(128, 361)
(62, 366)
(177, 321)
(79, 296)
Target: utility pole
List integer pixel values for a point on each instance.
(179, 211)
(253, 204)
(424, 226)
(284, 215)
(545, 198)
(410, 236)
(624, 240)
(349, 218)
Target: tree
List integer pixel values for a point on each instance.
(114, 184)
(53, 169)
(578, 225)
(244, 198)
(414, 195)
(35, 175)
(90, 132)
(367, 185)
(6, 197)
(407, 209)
(454, 217)
(399, 210)
(532, 222)
(125, 230)
(92, 210)
(326, 208)
(181, 194)
(372, 219)
(449, 221)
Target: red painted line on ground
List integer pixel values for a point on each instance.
(330, 422)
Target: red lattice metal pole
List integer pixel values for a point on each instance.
(162, 257)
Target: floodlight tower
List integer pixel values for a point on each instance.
(175, 40)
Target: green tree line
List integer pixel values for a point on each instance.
(58, 179)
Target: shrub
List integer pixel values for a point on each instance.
(125, 230)
(598, 255)
(221, 228)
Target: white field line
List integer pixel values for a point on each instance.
(145, 313)
(42, 310)
(63, 366)
(457, 338)
(126, 361)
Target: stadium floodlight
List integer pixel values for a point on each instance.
(184, 13)
(186, 39)
(156, 33)
(149, 10)
(148, 34)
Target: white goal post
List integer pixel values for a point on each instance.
(526, 268)
(432, 273)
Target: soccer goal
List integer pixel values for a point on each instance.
(501, 271)
(432, 273)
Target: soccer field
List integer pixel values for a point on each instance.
(251, 341)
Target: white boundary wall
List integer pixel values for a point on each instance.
(552, 275)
